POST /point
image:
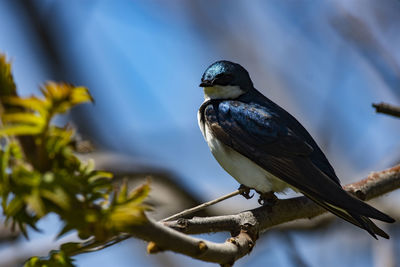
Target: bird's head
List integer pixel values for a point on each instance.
(225, 80)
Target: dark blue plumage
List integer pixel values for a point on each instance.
(224, 73)
(250, 124)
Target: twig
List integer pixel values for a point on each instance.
(93, 245)
(387, 109)
(202, 206)
(96, 247)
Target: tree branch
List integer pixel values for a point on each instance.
(165, 238)
(286, 210)
(387, 109)
(245, 226)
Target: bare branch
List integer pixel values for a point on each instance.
(387, 109)
(286, 210)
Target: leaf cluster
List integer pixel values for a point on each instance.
(39, 173)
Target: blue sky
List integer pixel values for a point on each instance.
(324, 62)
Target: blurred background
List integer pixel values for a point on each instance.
(325, 62)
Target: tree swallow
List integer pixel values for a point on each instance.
(265, 148)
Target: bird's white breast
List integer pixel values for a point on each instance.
(222, 92)
(244, 170)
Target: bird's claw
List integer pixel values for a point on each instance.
(245, 192)
(267, 199)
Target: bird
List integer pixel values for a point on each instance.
(266, 149)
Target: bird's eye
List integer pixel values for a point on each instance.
(222, 79)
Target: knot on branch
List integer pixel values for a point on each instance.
(182, 222)
(202, 247)
(153, 248)
(245, 240)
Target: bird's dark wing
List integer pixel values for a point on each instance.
(258, 134)
(317, 156)
(255, 127)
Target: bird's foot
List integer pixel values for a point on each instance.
(267, 199)
(245, 191)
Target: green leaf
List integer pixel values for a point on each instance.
(7, 85)
(138, 194)
(65, 230)
(22, 228)
(20, 129)
(122, 195)
(35, 202)
(63, 96)
(81, 95)
(15, 150)
(96, 175)
(25, 118)
(4, 159)
(15, 205)
(126, 215)
(31, 103)
(34, 262)
(58, 197)
(131, 211)
(89, 167)
(57, 259)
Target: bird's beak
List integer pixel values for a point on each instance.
(206, 84)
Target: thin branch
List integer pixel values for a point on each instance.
(202, 206)
(93, 245)
(387, 109)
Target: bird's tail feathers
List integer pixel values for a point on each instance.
(366, 210)
(356, 219)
